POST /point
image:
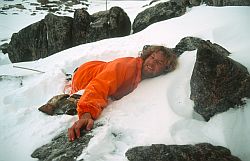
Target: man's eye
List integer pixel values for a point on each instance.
(160, 63)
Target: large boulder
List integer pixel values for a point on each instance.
(104, 24)
(29, 43)
(227, 2)
(59, 36)
(108, 24)
(159, 12)
(80, 26)
(198, 152)
(217, 82)
(41, 39)
(57, 33)
(119, 22)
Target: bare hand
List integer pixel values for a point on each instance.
(85, 121)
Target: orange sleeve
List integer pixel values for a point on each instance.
(117, 79)
(96, 93)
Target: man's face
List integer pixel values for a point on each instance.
(154, 65)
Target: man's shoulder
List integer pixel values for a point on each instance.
(126, 63)
(127, 59)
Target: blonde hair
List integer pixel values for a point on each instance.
(169, 54)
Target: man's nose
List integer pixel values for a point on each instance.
(152, 64)
(155, 62)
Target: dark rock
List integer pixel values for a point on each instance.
(100, 25)
(195, 2)
(193, 43)
(108, 24)
(53, 9)
(47, 108)
(61, 104)
(184, 3)
(42, 8)
(3, 13)
(3, 40)
(52, 104)
(29, 43)
(19, 6)
(34, 4)
(76, 1)
(119, 22)
(70, 4)
(80, 26)
(57, 33)
(4, 47)
(67, 106)
(187, 44)
(43, 1)
(41, 39)
(5, 7)
(216, 81)
(227, 2)
(153, 1)
(159, 12)
(69, 10)
(198, 152)
(60, 149)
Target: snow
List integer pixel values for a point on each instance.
(157, 111)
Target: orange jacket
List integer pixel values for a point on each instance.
(101, 80)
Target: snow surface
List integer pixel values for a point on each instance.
(158, 111)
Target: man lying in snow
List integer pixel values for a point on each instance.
(114, 79)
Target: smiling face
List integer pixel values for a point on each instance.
(154, 65)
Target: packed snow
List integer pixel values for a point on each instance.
(157, 111)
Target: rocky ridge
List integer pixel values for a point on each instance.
(56, 33)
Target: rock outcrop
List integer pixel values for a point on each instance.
(217, 82)
(175, 8)
(159, 12)
(60, 149)
(198, 152)
(100, 25)
(57, 33)
(187, 44)
(227, 2)
(193, 43)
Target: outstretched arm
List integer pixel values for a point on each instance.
(92, 102)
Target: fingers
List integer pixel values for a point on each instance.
(90, 124)
(75, 131)
(71, 134)
(78, 126)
